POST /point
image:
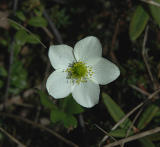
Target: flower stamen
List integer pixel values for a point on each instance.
(79, 72)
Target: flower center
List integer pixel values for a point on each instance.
(79, 72)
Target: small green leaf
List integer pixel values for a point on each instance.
(45, 101)
(3, 42)
(20, 15)
(70, 121)
(57, 115)
(70, 106)
(147, 116)
(21, 37)
(37, 21)
(138, 22)
(146, 142)
(119, 133)
(66, 119)
(155, 11)
(115, 111)
(19, 77)
(33, 39)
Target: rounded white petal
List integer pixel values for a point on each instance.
(58, 85)
(87, 49)
(104, 71)
(86, 93)
(61, 56)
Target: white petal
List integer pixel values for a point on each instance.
(104, 71)
(86, 94)
(61, 56)
(87, 49)
(58, 85)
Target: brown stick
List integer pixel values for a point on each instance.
(145, 56)
(131, 112)
(137, 136)
(12, 138)
(41, 127)
(140, 90)
(151, 2)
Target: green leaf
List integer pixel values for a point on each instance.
(138, 23)
(115, 111)
(119, 133)
(66, 119)
(37, 21)
(155, 11)
(21, 37)
(70, 121)
(3, 42)
(33, 39)
(146, 142)
(20, 15)
(19, 77)
(147, 116)
(70, 106)
(15, 25)
(57, 115)
(45, 101)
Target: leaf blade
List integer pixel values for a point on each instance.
(115, 111)
(138, 23)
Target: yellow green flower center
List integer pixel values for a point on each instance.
(79, 72)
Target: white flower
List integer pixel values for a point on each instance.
(80, 71)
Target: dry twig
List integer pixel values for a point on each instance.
(41, 127)
(151, 2)
(12, 138)
(130, 113)
(140, 90)
(134, 137)
(53, 27)
(145, 56)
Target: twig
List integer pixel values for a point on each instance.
(131, 112)
(137, 107)
(10, 59)
(83, 130)
(27, 31)
(41, 127)
(134, 137)
(9, 73)
(105, 132)
(12, 138)
(53, 27)
(140, 90)
(48, 32)
(114, 41)
(81, 122)
(15, 5)
(151, 2)
(144, 55)
(133, 122)
(122, 120)
(115, 34)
